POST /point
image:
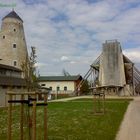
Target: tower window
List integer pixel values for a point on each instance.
(3, 37)
(15, 63)
(14, 45)
(14, 30)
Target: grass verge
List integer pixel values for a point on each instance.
(73, 120)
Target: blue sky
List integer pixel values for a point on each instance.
(68, 34)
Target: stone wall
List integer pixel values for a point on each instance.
(12, 32)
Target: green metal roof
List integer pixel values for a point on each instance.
(60, 78)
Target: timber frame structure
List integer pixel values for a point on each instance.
(115, 71)
(30, 99)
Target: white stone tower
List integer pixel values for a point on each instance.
(13, 49)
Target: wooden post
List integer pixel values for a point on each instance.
(45, 117)
(10, 119)
(34, 119)
(94, 99)
(104, 103)
(21, 118)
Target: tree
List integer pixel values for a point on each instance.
(29, 70)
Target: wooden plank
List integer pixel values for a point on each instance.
(20, 93)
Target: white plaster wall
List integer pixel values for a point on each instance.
(69, 84)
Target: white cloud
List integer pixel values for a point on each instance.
(75, 40)
(64, 58)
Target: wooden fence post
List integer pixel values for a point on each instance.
(21, 117)
(34, 119)
(10, 119)
(45, 117)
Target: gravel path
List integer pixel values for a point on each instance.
(130, 127)
(87, 97)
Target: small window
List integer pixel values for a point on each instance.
(4, 87)
(57, 88)
(14, 45)
(3, 37)
(18, 87)
(15, 63)
(14, 30)
(51, 88)
(65, 88)
(43, 84)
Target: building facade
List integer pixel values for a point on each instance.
(10, 80)
(13, 49)
(60, 84)
(13, 55)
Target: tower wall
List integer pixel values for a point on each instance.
(12, 32)
(111, 71)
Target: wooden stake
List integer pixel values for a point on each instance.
(34, 119)
(45, 117)
(21, 118)
(10, 119)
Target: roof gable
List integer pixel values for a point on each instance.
(13, 14)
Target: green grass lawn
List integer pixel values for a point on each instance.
(73, 120)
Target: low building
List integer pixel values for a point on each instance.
(60, 84)
(10, 80)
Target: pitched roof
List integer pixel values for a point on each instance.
(7, 67)
(12, 81)
(60, 78)
(12, 14)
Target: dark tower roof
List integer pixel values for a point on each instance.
(13, 14)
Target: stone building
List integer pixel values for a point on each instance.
(13, 49)
(60, 84)
(13, 55)
(10, 79)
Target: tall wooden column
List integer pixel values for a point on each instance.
(34, 119)
(45, 116)
(10, 119)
